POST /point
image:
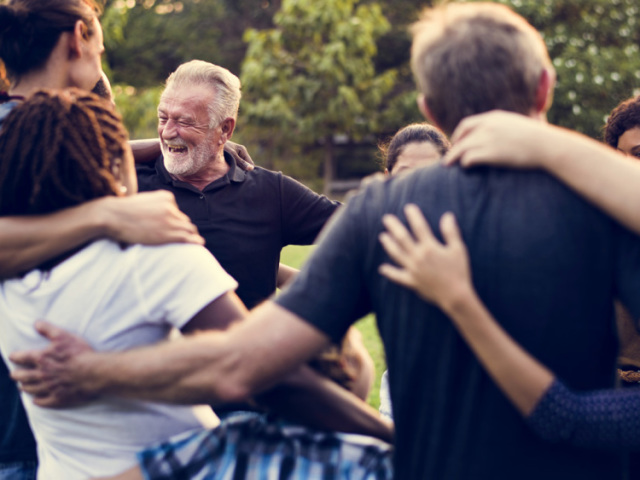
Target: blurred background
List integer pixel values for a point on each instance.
(325, 80)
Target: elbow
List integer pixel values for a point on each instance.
(231, 386)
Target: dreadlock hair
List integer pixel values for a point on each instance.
(57, 150)
(30, 29)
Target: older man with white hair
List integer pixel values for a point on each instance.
(246, 217)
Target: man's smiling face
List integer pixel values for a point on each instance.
(188, 143)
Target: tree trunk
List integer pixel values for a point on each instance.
(328, 164)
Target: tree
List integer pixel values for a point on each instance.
(147, 39)
(594, 48)
(313, 76)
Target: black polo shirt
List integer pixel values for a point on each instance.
(246, 219)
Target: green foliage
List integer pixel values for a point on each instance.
(594, 47)
(147, 39)
(338, 67)
(314, 76)
(138, 109)
(372, 341)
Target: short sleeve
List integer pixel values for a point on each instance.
(176, 281)
(330, 290)
(304, 212)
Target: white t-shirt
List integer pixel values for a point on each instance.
(116, 299)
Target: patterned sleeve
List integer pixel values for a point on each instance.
(606, 419)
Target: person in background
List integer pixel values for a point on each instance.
(622, 132)
(414, 146)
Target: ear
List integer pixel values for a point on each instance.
(227, 126)
(116, 169)
(76, 37)
(423, 105)
(544, 92)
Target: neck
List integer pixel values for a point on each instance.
(54, 74)
(214, 170)
(31, 83)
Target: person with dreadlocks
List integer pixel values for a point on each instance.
(57, 44)
(62, 150)
(66, 148)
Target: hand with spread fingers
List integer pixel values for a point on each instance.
(438, 272)
(52, 375)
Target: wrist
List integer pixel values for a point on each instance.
(105, 216)
(89, 378)
(458, 299)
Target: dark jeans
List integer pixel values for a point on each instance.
(18, 471)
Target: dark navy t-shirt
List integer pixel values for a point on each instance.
(547, 265)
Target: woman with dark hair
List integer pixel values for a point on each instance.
(33, 34)
(622, 130)
(57, 44)
(415, 145)
(64, 149)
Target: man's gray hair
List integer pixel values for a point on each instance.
(225, 84)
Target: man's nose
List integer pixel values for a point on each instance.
(169, 130)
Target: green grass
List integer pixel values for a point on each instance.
(295, 256)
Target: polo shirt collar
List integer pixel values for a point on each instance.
(234, 174)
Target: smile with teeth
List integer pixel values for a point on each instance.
(176, 148)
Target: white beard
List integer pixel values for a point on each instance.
(189, 163)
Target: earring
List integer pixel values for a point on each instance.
(123, 189)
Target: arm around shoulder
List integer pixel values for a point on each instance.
(26, 242)
(149, 218)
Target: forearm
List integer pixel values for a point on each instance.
(26, 242)
(605, 419)
(184, 371)
(521, 377)
(603, 176)
(307, 397)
